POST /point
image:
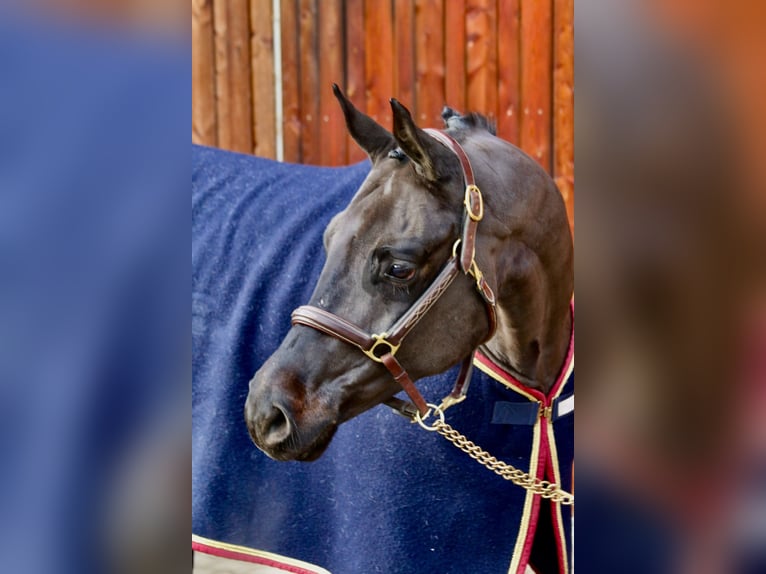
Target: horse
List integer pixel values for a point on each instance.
(458, 244)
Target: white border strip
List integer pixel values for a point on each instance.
(566, 406)
(273, 560)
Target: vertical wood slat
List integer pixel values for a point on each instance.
(481, 56)
(404, 53)
(331, 125)
(429, 54)
(309, 66)
(262, 56)
(508, 70)
(291, 85)
(536, 79)
(355, 73)
(378, 69)
(563, 101)
(454, 54)
(423, 59)
(232, 46)
(203, 74)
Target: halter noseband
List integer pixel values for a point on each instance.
(382, 347)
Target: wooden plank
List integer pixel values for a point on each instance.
(222, 88)
(404, 53)
(454, 55)
(291, 107)
(262, 58)
(355, 68)
(232, 41)
(563, 101)
(536, 64)
(508, 70)
(332, 127)
(481, 56)
(429, 66)
(378, 63)
(309, 34)
(203, 74)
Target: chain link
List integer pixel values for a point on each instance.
(542, 487)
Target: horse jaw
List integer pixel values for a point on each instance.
(288, 412)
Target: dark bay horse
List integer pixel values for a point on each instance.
(384, 250)
(381, 495)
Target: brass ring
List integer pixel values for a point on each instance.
(434, 408)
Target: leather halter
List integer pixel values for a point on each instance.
(382, 347)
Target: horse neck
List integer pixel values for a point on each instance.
(532, 339)
(533, 285)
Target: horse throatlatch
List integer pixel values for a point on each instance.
(382, 347)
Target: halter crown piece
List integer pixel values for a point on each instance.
(382, 347)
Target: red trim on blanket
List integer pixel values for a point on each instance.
(562, 378)
(544, 461)
(513, 382)
(557, 527)
(507, 378)
(243, 557)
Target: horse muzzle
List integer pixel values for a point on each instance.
(280, 422)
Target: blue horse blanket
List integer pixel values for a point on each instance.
(386, 496)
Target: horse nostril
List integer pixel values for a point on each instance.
(277, 426)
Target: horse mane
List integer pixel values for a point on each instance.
(473, 120)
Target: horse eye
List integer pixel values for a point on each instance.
(400, 272)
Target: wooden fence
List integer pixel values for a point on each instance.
(263, 69)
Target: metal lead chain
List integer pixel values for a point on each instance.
(544, 488)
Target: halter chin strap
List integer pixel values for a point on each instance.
(382, 347)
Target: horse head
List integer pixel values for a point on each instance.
(385, 249)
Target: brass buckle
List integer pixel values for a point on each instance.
(467, 202)
(473, 269)
(380, 340)
(545, 412)
(476, 273)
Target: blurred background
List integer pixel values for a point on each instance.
(262, 73)
(95, 414)
(671, 286)
(670, 251)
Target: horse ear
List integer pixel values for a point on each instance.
(373, 138)
(424, 151)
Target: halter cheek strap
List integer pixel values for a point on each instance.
(382, 347)
(473, 205)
